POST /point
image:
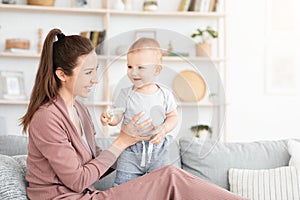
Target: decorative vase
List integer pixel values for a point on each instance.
(203, 49)
(150, 5)
(128, 4)
(202, 134)
(118, 5)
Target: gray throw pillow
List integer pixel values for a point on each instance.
(13, 145)
(21, 159)
(12, 180)
(211, 161)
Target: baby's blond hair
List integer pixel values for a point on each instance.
(145, 44)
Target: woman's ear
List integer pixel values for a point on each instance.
(60, 74)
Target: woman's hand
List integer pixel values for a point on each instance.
(131, 133)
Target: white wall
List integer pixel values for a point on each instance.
(253, 114)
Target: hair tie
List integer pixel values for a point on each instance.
(60, 36)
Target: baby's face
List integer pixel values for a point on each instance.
(143, 66)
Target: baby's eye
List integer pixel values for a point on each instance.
(141, 67)
(129, 67)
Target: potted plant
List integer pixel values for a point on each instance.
(203, 46)
(201, 131)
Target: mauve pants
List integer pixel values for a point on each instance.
(166, 183)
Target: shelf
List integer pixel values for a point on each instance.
(107, 103)
(13, 102)
(50, 9)
(168, 14)
(18, 55)
(122, 58)
(198, 104)
(34, 56)
(69, 10)
(177, 59)
(26, 102)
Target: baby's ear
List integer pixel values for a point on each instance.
(158, 69)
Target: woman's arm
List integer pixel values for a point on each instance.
(51, 136)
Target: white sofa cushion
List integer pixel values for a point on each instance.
(268, 184)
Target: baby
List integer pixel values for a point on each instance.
(144, 64)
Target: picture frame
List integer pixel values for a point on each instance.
(281, 73)
(12, 85)
(145, 33)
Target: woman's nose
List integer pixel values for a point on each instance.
(95, 78)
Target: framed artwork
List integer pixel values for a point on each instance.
(281, 73)
(12, 85)
(145, 33)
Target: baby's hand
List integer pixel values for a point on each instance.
(105, 118)
(159, 134)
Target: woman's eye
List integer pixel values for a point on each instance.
(88, 73)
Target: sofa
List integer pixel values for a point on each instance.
(215, 162)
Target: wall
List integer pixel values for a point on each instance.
(252, 114)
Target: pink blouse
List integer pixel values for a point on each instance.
(58, 161)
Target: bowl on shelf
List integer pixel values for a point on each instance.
(41, 2)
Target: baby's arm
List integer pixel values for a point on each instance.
(169, 124)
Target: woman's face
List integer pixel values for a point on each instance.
(84, 75)
(142, 67)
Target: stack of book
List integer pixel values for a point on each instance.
(97, 37)
(199, 5)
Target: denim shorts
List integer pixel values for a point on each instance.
(129, 163)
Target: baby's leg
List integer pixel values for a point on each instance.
(129, 165)
(159, 156)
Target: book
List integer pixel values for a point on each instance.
(95, 38)
(204, 5)
(197, 5)
(85, 34)
(184, 5)
(192, 5)
(212, 6)
(100, 43)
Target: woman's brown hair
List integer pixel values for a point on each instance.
(62, 53)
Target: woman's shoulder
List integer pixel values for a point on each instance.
(52, 109)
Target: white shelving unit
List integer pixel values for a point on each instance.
(22, 24)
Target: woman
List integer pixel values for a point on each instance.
(63, 158)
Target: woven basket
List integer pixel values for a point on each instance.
(41, 2)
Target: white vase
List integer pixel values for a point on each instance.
(118, 5)
(128, 4)
(137, 5)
